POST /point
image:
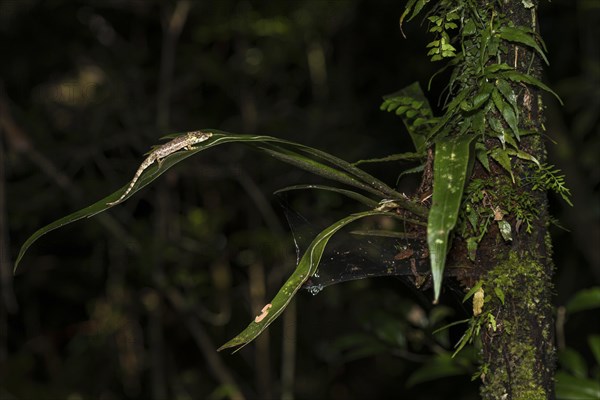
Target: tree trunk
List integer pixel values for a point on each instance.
(518, 356)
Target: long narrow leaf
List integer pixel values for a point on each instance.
(450, 167)
(516, 76)
(346, 166)
(348, 193)
(524, 36)
(393, 157)
(307, 267)
(149, 175)
(314, 160)
(317, 168)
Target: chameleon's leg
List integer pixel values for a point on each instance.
(189, 147)
(159, 161)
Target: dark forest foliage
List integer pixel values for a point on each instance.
(134, 304)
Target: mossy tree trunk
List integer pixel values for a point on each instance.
(518, 356)
(501, 229)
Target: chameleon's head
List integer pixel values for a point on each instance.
(198, 136)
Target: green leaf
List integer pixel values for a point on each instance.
(414, 170)
(572, 362)
(306, 268)
(149, 175)
(522, 35)
(472, 244)
(507, 113)
(400, 110)
(482, 97)
(478, 123)
(501, 156)
(451, 161)
(348, 193)
(482, 155)
(469, 28)
(585, 299)
(499, 294)
(508, 94)
(524, 156)
(420, 106)
(492, 321)
(393, 157)
(310, 159)
(440, 366)
(594, 342)
(417, 4)
(317, 168)
(505, 230)
(490, 70)
(519, 77)
(467, 337)
(451, 324)
(472, 291)
(386, 233)
(569, 387)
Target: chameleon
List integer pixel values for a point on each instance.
(160, 152)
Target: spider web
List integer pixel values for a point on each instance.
(349, 257)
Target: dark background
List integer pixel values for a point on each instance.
(132, 303)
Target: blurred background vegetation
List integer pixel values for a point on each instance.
(133, 304)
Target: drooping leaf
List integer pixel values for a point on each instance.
(586, 299)
(482, 155)
(313, 160)
(451, 161)
(451, 111)
(516, 76)
(306, 268)
(440, 366)
(415, 6)
(149, 175)
(594, 342)
(501, 156)
(522, 35)
(572, 362)
(507, 113)
(508, 94)
(569, 387)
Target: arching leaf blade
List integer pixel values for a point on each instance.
(307, 267)
(294, 153)
(348, 193)
(149, 175)
(317, 168)
(393, 157)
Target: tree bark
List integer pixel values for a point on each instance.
(518, 356)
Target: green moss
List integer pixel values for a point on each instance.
(514, 363)
(521, 377)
